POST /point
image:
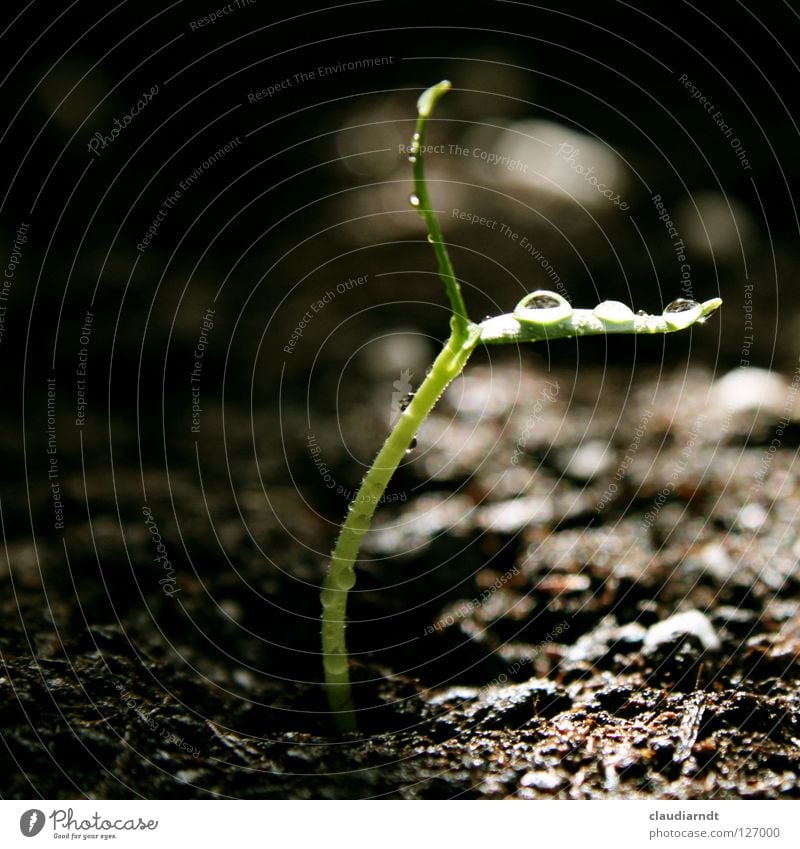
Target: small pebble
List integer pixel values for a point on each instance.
(750, 389)
(514, 514)
(714, 560)
(188, 776)
(589, 460)
(751, 517)
(690, 623)
(542, 780)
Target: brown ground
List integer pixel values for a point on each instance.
(505, 630)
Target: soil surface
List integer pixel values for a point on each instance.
(576, 589)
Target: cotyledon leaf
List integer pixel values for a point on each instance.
(547, 315)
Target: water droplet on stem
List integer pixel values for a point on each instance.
(345, 579)
(407, 400)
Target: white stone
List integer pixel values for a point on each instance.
(750, 389)
(691, 622)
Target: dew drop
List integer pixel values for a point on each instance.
(411, 158)
(431, 239)
(414, 201)
(407, 400)
(415, 138)
(613, 312)
(681, 305)
(345, 580)
(682, 313)
(641, 312)
(542, 302)
(412, 445)
(543, 308)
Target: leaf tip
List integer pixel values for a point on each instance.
(711, 305)
(430, 97)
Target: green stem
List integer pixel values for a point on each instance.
(341, 572)
(459, 322)
(540, 315)
(464, 337)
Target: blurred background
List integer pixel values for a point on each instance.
(210, 255)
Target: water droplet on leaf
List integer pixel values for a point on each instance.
(412, 445)
(542, 307)
(613, 312)
(681, 305)
(682, 313)
(641, 312)
(414, 201)
(411, 158)
(542, 302)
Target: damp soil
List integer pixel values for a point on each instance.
(577, 588)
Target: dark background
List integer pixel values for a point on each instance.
(274, 219)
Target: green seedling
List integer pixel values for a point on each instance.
(541, 315)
